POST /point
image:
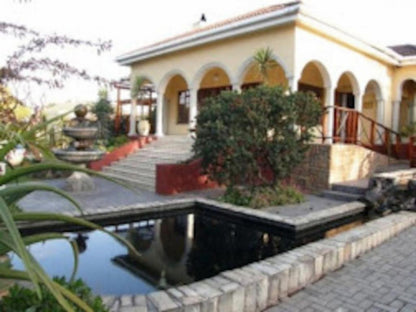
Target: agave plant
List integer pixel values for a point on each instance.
(10, 238)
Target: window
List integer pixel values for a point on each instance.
(183, 106)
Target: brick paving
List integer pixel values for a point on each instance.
(383, 279)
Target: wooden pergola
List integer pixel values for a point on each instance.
(147, 100)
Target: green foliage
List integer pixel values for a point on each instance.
(263, 196)
(21, 299)
(254, 138)
(263, 59)
(114, 142)
(103, 110)
(10, 237)
(409, 130)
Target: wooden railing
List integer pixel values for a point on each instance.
(412, 151)
(351, 126)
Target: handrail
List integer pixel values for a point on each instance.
(346, 109)
(353, 127)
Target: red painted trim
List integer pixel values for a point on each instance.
(178, 178)
(120, 152)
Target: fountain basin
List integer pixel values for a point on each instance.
(80, 132)
(78, 157)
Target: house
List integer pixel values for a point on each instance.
(368, 90)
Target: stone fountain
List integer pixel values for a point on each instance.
(80, 150)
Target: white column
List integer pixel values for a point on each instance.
(358, 104)
(380, 118)
(133, 113)
(236, 87)
(293, 83)
(193, 107)
(396, 115)
(413, 117)
(159, 115)
(329, 104)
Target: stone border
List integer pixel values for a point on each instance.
(259, 285)
(297, 223)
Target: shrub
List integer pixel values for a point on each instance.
(254, 139)
(22, 299)
(103, 110)
(263, 196)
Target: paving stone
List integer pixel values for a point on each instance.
(383, 279)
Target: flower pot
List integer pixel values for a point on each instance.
(144, 127)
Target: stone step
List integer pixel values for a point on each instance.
(349, 188)
(340, 195)
(140, 184)
(141, 166)
(135, 174)
(151, 161)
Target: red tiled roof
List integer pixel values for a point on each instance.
(404, 49)
(232, 20)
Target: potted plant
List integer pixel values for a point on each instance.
(137, 95)
(144, 126)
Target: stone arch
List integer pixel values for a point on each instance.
(176, 103)
(163, 83)
(207, 67)
(356, 90)
(245, 67)
(322, 70)
(399, 87)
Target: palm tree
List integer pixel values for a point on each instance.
(264, 61)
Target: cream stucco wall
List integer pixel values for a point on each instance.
(232, 55)
(337, 58)
(294, 46)
(402, 74)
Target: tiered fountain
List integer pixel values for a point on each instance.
(80, 150)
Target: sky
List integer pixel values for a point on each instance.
(131, 24)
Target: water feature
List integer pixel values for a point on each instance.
(80, 151)
(176, 249)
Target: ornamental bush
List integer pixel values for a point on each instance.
(21, 299)
(254, 138)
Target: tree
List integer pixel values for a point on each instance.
(103, 110)
(263, 59)
(27, 64)
(254, 139)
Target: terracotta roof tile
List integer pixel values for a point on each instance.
(229, 21)
(404, 49)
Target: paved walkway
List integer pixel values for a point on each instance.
(108, 194)
(382, 280)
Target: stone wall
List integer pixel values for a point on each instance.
(326, 164)
(352, 162)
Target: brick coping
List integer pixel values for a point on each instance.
(262, 284)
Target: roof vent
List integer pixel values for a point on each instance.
(201, 22)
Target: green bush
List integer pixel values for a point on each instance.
(409, 130)
(103, 110)
(254, 139)
(114, 142)
(22, 299)
(263, 196)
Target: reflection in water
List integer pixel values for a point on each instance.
(81, 241)
(175, 250)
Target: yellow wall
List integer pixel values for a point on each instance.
(400, 75)
(311, 76)
(338, 58)
(176, 84)
(214, 78)
(276, 75)
(232, 52)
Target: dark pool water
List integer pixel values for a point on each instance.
(175, 250)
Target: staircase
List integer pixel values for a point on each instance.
(139, 168)
(353, 127)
